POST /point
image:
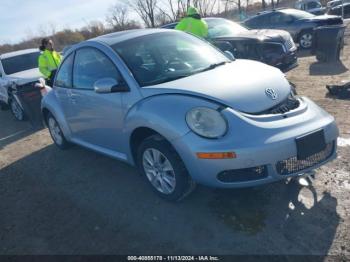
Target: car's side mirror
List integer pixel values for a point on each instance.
(229, 55)
(109, 85)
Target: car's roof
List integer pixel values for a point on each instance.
(20, 52)
(114, 38)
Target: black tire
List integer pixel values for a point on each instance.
(184, 184)
(17, 110)
(63, 143)
(304, 35)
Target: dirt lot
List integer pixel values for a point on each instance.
(79, 202)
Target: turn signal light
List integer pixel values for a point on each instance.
(222, 155)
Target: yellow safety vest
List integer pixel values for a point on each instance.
(49, 61)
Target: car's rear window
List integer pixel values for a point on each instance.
(20, 63)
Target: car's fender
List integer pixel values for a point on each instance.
(164, 113)
(52, 105)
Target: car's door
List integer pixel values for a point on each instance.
(280, 20)
(63, 84)
(95, 118)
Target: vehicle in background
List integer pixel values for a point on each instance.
(273, 47)
(299, 24)
(182, 112)
(338, 10)
(311, 6)
(18, 70)
(65, 50)
(335, 3)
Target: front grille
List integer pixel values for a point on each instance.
(287, 105)
(293, 165)
(290, 103)
(241, 175)
(289, 44)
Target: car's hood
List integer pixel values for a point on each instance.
(241, 85)
(266, 35)
(24, 77)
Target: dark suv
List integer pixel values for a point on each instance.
(272, 47)
(299, 24)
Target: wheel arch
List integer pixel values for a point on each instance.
(138, 136)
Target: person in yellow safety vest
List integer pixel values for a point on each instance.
(49, 60)
(193, 23)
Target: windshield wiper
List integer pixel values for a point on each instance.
(167, 79)
(212, 66)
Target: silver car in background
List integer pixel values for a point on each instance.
(184, 113)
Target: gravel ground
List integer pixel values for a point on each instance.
(79, 202)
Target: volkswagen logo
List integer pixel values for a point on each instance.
(271, 93)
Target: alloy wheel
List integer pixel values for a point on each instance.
(17, 110)
(55, 131)
(159, 171)
(306, 40)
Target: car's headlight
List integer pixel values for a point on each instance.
(206, 122)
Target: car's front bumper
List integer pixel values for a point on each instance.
(264, 145)
(287, 62)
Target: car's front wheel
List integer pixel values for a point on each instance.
(305, 40)
(56, 132)
(17, 110)
(164, 169)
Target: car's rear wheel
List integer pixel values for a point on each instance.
(17, 110)
(305, 40)
(56, 132)
(163, 168)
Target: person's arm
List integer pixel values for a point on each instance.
(181, 25)
(59, 56)
(43, 67)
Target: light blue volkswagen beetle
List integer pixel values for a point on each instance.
(184, 113)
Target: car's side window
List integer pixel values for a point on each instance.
(91, 65)
(280, 18)
(275, 18)
(263, 20)
(64, 75)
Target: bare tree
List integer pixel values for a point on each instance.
(173, 9)
(147, 10)
(205, 7)
(118, 15)
(118, 18)
(93, 29)
(231, 5)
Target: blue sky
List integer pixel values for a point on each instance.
(20, 19)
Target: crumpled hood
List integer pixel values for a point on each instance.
(269, 35)
(24, 77)
(240, 85)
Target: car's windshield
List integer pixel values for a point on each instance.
(299, 14)
(222, 27)
(166, 56)
(20, 63)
